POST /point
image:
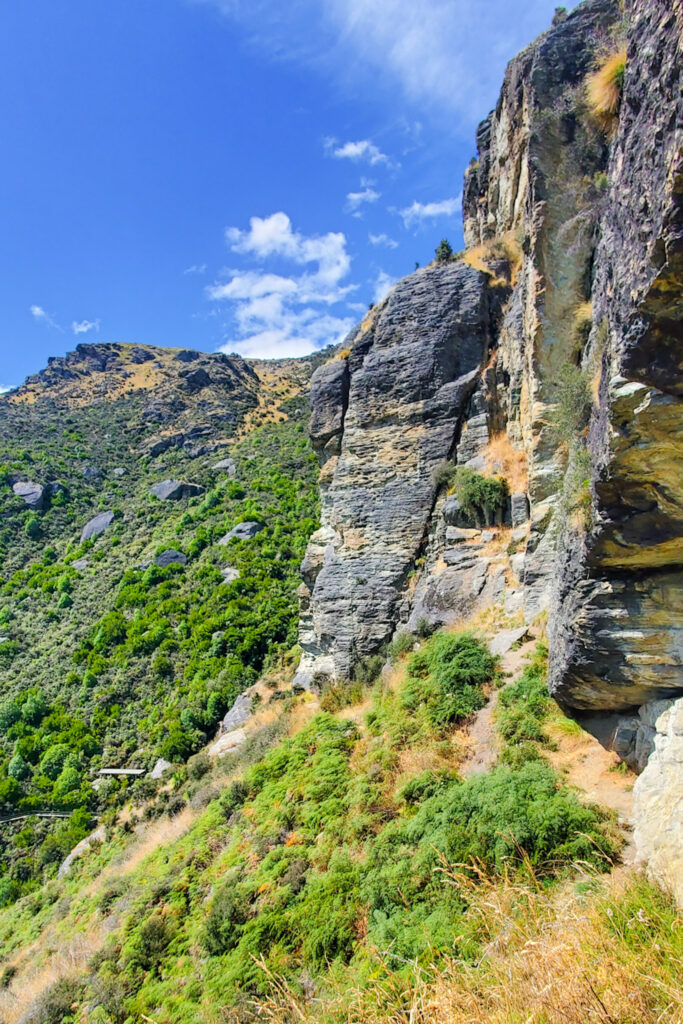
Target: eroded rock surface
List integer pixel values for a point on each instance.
(383, 420)
(658, 802)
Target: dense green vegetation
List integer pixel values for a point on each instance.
(324, 850)
(116, 660)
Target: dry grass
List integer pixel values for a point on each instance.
(503, 459)
(503, 247)
(583, 320)
(604, 88)
(610, 956)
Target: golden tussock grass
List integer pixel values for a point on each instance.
(503, 247)
(503, 459)
(610, 954)
(604, 87)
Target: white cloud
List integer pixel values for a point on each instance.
(383, 239)
(196, 268)
(273, 236)
(278, 315)
(5, 388)
(354, 200)
(363, 151)
(83, 326)
(383, 285)
(41, 317)
(447, 54)
(419, 212)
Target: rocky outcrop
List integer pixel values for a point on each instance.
(383, 420)
(616, 637)
(175, 490)
(563, 350)
(658, 802)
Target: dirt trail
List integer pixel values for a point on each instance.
(482, 739)
(598, 774)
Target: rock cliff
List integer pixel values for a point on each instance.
(548, 353)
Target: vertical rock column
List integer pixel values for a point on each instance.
(383, 419)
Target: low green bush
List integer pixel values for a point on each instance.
(446, 676)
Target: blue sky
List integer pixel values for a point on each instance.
(243, 175)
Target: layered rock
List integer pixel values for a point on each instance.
(561, 252)
(383, 420)
(616, 638)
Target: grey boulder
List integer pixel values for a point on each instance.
(30, 492)
(170, 557)
(243, 531)
(174, 490)
(230, 574)
(507, 638)
(97, 525)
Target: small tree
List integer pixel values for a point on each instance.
(444, 253)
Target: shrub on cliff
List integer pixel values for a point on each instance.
(481, 498)
(444, 252)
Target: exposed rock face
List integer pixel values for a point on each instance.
(175, 490)
(580, 230)
(97, 525)
(382, 422)
(617, 638)
(658, 802)
(238, 714)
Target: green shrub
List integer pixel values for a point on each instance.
(402, 643)
(227, 916)
(234, 796)
(54, 1005)
(367, 670)
(523, 706)
(447, 675)
(481, 498)
(571, 409)
(152, 941)
(423, 786)
(444, 252)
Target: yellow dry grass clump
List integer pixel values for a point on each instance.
(594, 953)
(605, 86)
(503, 459)
(504, 247)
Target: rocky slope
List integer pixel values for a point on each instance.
(553, 345)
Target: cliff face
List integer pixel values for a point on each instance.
(383, 419)
(564, 309)
(616, 635)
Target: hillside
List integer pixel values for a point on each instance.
(133, 643)
(395, 644)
